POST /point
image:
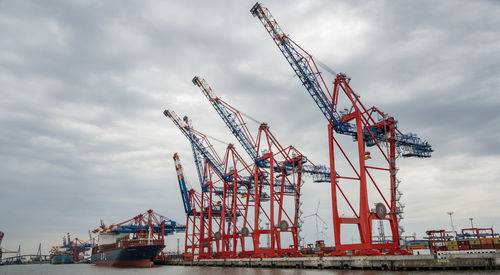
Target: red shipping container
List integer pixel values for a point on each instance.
(486, 241)
(463, 243)
(326, 249)
(497, 246)
(487, 246)
(463, 247)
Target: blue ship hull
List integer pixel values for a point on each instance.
(62, 259)
(133, 256)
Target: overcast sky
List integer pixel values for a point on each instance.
(83, 85)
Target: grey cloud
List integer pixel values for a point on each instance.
(84, 84)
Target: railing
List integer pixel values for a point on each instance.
(128, 243)
(138, 242)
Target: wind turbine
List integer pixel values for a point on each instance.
(315, 214)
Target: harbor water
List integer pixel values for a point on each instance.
(77, 269)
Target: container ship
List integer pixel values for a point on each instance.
(136, 242)
(116, 249)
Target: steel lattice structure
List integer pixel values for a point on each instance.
(218, 233)
(200, 212)
(369, 127)
(151, 224)
(271, 162)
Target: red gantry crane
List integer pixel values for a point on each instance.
(276, 170)
(203, 224)
(224, 234)
(4, 250)
(368, 127)
(196, 206)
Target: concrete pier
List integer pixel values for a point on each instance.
(407, 262)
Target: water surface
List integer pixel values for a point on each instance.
(78, 269)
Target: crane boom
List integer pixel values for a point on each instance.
(192, 136)
(236, 123)
(198, 160)
(182, 184)
(304, 66)
(232, 117)
(299, 61)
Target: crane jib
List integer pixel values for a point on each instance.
(198, 144)
(228, 114)
(409, 144)
(217, 166)
(236, 130)
(199, 168)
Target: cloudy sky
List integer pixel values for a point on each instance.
(83, 85)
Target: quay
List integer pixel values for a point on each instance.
(483, 261)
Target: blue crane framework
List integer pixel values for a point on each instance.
(369, 127)
(235, 122)
(218, 234)
(153, 224)
(186, 196)
(198, 160)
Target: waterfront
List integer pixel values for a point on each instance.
(42, 269)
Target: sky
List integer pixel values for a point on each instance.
(83, 85)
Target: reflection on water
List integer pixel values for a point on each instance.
(78, 269)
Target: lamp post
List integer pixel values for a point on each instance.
(471, 224)
(178, 251)
(451, 220)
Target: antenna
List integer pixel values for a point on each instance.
(451, 220)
